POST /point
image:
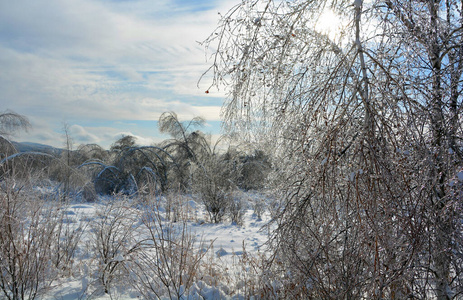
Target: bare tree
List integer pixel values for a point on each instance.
(11, 122)
(202, 168)
(66, 157)
(366, 121)
(185, 144)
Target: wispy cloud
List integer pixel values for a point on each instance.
(81, 61)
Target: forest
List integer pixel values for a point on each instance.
(355, 170)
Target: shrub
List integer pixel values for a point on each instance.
(113, 241)
(28, 229)
(168, 261)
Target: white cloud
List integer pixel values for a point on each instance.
(78, 61)
(80, 135)
(139, 140)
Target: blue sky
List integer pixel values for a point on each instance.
(105, 67)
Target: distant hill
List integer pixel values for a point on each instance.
(36, 147)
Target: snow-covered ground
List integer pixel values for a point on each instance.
(228, 251)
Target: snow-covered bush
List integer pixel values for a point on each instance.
(68, 236)
(212, 182)
(238, 204)
(113, 241)
(179, 207)
(28, 229)
(169, 259)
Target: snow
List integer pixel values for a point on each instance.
(229, 241)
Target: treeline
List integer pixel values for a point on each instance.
(187, 162)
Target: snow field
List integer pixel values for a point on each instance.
(131, 249)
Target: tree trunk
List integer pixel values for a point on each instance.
(443, 224)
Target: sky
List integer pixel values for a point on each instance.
(106, 68)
